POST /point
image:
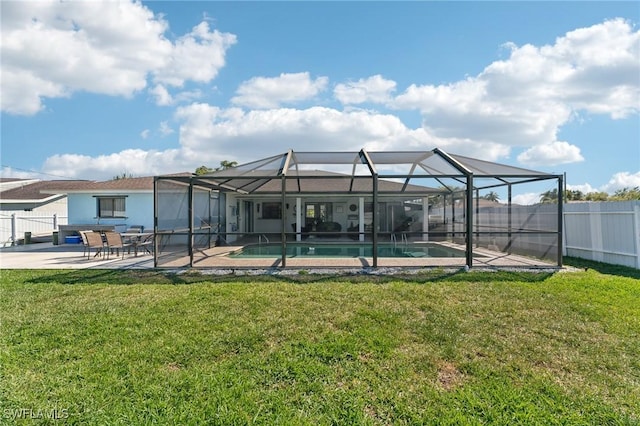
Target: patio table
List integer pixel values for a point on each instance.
(137, 240)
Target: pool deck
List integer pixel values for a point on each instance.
(70, 256)
(217, 257)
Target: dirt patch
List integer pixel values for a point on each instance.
(449, 377)
(173, 366)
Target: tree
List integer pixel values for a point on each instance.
(224, 165)
(626, 194)
(596, 196)
(573, 195)
(491, 196)
(203, 170)
(549, 197)
(124, 175)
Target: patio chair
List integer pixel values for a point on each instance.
(146, 244)
(94, 241)
(85, 243)
(114, 242)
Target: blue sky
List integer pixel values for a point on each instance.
(92, 90)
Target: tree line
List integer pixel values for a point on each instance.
(625, 194)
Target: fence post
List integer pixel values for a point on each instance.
(13, 229)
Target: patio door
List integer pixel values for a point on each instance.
(317, 212)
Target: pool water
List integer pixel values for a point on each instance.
(346, 250)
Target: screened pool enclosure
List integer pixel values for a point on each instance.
(357, 209)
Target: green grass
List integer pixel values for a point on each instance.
(145, 347)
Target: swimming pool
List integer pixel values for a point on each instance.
(346, 250)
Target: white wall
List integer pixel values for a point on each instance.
(139, 210)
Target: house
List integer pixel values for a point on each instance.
(31, 206)
(370, 197)
(107, 205)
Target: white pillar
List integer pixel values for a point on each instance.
(361, 218)
(298, 218)
(425, 218)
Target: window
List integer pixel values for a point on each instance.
(111, 206)
(318, 212)
(272, 210)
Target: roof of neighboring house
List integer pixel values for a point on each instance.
(5, 179)
(37, 191)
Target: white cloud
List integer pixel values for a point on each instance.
(145, 133)
(8, 172)
(622, 180)
(526, 199)
(209, 134)
(165, 129)
(134, 161)
(585, 188)
(52, 49)
(161, 95)
(265, 92)
(373, 89)
(552, 154)
(214, 132)
(197, 56)
(524, 100)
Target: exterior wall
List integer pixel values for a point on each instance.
(234, 217)
(139, 210)
(340, 213)
(58, 206)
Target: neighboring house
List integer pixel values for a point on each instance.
(31, 205)
(28, 195)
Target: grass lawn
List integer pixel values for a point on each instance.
(144, 347)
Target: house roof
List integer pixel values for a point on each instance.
(6, 179)
(37, 191)
(136, 184)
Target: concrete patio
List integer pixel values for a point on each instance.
(66, 256)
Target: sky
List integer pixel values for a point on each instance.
(94, 90)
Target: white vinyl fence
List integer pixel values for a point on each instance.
(606, 232)
(13, 225)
